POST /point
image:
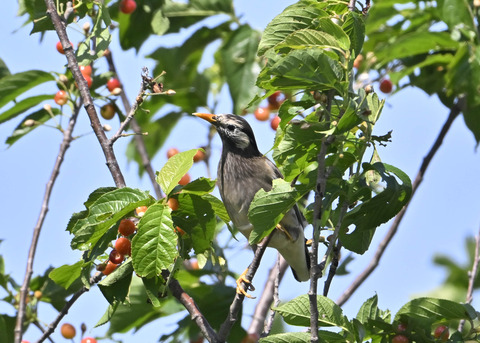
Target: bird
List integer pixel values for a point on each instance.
(242, 171)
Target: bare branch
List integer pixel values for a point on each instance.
(472, 275)
(454, 112)
(188, 302)
(237, 302)
(107, 149)
(139, 142)
(280, 272)
(268, 296)
(53, 325)
(67, 138)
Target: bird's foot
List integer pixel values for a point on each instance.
(248, 285)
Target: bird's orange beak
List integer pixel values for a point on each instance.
(211, 118)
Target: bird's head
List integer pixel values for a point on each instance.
(236, 134)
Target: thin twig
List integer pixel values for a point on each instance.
(454, 112)
(139, 141)
(51, 328)
(188, 302)
(333, 268)
(268, 295)
(37, 324)
(67, 139)
(282, 266)
(472, 276)
(107, 149)
(238, 300)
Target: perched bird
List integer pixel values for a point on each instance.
(242, 172)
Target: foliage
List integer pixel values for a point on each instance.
(325, 139)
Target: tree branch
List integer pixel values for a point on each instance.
(188, 302)
(472, 276)
(238, 300)
(107, 149)
(53, 325)
(454, 112)
(270, 291)
(67, 138)
(139, 142)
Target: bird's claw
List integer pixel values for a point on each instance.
(248, 285)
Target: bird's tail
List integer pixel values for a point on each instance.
(298, 258)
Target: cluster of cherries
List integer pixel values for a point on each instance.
(274, 102)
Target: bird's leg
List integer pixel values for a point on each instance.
(248, 285)
(279, 227)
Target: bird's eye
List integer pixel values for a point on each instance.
(231, 127)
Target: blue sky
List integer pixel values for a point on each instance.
(443, 213)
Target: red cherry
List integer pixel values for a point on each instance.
(184, 180)
(251, 338)
(171, 152)
(441, 332)
(109, 268)
(128, 6)
(127, 227)
(60, 47)
(115, 257)
(112, 84)
(275, 100)
(400, 339)
(386, 86)
(68, 331)
(61, 98)
(141, 211)
(179, 231)
(262, 113)
(199, 156)
(275, 122)
(123, 246)
(107, 111)
(401, 327)
(358, 61)
(89, 80)
(89, 340)
(173, 203)
(86, 70)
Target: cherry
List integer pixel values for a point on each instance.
(400, 339)
(109, 268)
(401, 327)
(199, 156)
(275, 100)
(60, 47)
(127, 227)
(123, 246)
(179, 230)
(441, 332)
(107, 111)
(89, 340)
(262, 113)
(112, 84)
(86, 70)
(115, 257)
(199, 339)
(386, 86)
(141, 210)
(68, 331)
(173, 203)
(358, 61)
(184, 180)
(251, 338)
(61, 98)
(89, 80)
(172, 152)
(194, 264)
(274, 122)
(38, 294)
(128, 6)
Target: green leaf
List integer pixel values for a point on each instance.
(238, 61)
(3, 69)
(7, 328)
(199, 186)
(88, 228)
(160, 23)
(300, 15)
(303, 337)
(154, 247)
(116, 285)
(158, 131)
(268, 208)
(174, 169)
(297, 312)
(311, 68)
(39, 117)
(367, 216)
(22, 106)
(196, 217)
(99, 36)
(354, 27)
(430, 310)
(458, 14)
(218, 207)
(14, 85)
(369, 310)
(107, 315)
(66, 275)
(329, 35)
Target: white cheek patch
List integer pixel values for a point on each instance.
(242, 141)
